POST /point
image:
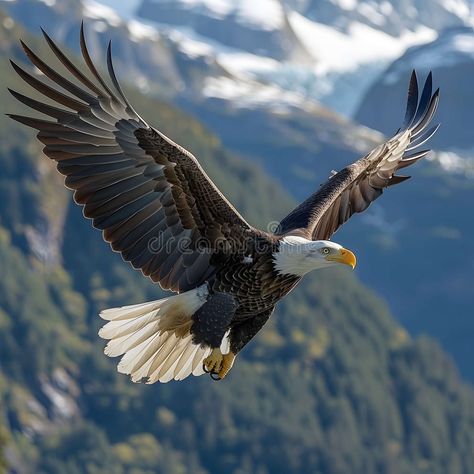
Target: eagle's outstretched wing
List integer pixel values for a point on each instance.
(355, 187)
(149, 196)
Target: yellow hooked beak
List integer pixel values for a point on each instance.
(345, 256)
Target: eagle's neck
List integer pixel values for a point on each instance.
(291, 258)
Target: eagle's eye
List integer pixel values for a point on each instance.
(325, 251)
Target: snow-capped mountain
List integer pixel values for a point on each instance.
(394, 17)
(265, 53)
(260, 28)
(277, 56)
(324, 50)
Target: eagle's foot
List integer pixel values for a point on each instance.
(213, 362)
(227, 363)
(218, 365)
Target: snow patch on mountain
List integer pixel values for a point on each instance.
(267, 14)
(220, 8)
(98, 11)
(345, 4)
(455, 46)
(447, 53)
(454, 163)
(140, 31)
(247, 65)
(263, 14)
(189, 45)
(125, 8)
(337, 51)
(457, 7)
(250, 94)
(373, 14)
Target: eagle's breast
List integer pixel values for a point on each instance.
(250, 276)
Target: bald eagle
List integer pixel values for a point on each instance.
(156, 206)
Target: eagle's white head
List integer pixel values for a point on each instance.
(298, 256)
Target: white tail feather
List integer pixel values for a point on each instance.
(129, 312)
(154, 338)
(201, 354)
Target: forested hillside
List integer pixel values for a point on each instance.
(333, 385)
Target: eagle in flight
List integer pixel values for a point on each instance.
(155, 205)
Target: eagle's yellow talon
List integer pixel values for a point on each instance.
(218, 363)
(227, 363)
(213, 362)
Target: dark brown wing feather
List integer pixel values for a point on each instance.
(149, 196)
(355, 187)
